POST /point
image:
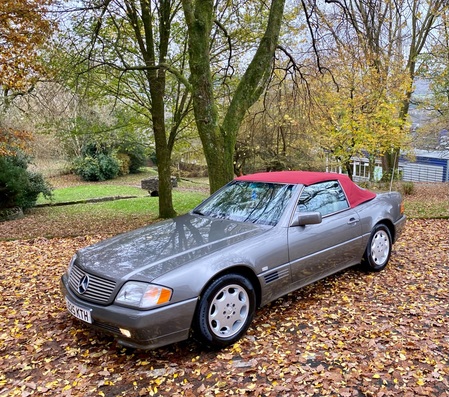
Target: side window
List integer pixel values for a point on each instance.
(324, 197)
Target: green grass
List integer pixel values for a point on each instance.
(86, 192)
(141, 206)
(182, 201)
(86, 216)
(426, 210)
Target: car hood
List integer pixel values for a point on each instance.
(156, 249)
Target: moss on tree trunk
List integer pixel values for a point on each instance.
(219, 139)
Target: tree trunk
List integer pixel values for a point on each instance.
(157, 84)
(219, 140)
(199, 16)
(166, 209)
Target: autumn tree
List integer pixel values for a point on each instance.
(387, 33)
(360, 118)
(436, 104)
(24, 28)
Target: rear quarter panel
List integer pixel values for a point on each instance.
(384, 208)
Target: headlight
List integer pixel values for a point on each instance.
(143, 295)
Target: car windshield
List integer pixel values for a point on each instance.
(256, 202)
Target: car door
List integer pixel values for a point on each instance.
(318, 250)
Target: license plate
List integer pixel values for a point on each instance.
(78, 312)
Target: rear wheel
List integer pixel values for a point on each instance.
(225, 311)
(378, 250)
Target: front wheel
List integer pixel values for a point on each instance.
(378, 250)
(225, 311)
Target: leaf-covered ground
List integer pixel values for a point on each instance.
(352, 334)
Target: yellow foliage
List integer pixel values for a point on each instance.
(24, 29)
(362, 112)
(11, 140)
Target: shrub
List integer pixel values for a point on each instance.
(136, 155)
(99, 168)
(20, 187)
(124, 161)
(408, 188)
(109, 166)
(397, 176)
(87, 168)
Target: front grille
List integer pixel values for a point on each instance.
(107, 327)
(98, 290)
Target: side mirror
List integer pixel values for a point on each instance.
(306, 218)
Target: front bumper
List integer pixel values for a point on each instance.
(148, 329)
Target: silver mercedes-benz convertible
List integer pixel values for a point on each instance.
(205, 273)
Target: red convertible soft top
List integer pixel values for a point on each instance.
(355, 194)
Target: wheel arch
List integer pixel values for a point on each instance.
(242, 270)
(389, 224)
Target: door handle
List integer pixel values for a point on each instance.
(352, 221)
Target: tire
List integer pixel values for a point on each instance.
(225, 311)
(378, 250)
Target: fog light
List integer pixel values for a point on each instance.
(125, 332)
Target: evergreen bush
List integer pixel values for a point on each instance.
(109, 166)
(20, 187)
(99, 168)
(87, 168)
(100, 162)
